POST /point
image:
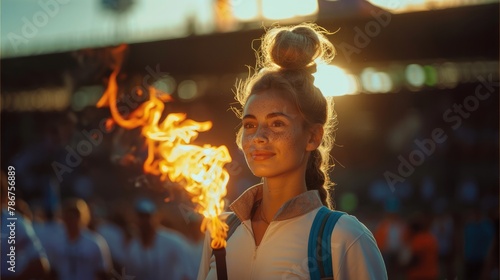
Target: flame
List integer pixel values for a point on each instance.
(171, 156)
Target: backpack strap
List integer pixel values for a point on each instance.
(220, 254)
(233, 222)
(319, 247)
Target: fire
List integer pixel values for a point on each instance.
(171, 156)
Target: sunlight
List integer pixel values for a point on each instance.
(245, 10)
(284, 9)
(334, 81)
(405, 6)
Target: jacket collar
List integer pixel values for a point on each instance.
(246, 203)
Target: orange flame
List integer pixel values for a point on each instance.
(171, 156)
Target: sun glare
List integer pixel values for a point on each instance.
(334, 81)
(404, 6)
(284, 9)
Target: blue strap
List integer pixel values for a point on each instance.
(319, 247)
(327, 240)
(314, 270)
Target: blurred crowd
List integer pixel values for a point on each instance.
(444, 245)
(76, 242)
(135, 240)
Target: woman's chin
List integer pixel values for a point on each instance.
(263, 172)
(260, 173)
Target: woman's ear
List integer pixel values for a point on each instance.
(315, 136)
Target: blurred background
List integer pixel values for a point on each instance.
(415, 85)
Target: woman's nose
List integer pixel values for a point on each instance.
(261, 135)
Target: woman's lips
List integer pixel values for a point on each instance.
(261, 155)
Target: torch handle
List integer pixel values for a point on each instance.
(220, 263)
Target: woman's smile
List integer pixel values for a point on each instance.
(260, 155)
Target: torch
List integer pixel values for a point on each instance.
(220, 262)
(172, 156)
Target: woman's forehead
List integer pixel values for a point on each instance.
(267, 102)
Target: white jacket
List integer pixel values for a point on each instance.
(282, 253)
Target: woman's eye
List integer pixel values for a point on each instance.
(248, 125)
(278, 124)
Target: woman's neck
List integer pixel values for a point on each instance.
(277, 191)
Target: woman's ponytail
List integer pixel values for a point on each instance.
(318, 179)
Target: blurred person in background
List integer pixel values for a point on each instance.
(390, 236)
(115, 229)
(478, 238)
(178, 214)
(491, 268)
(24, 209)
(156, 253)
(421, 259)
(444, 229)
(48, 225)
(50, 230)
(195, 238)
(37, 162)
(80, 254)
(30, 261)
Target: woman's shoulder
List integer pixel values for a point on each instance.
(349, 228)
(355, 254)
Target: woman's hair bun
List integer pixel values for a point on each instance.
(295, 48)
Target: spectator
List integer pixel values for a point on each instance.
(116, 231)
(491, 269)
(157, 253)
(478, 237)
(30, 260)
(81, 254)
(422, 262)
(389, 235)
(50, 231)
(195, 238)
(443, 228)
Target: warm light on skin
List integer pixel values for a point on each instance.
(334, 81)
(272, 135)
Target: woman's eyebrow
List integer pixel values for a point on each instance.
(269, 116)
(248, 116)
(277, 114)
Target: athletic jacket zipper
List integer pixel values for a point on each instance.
(256, 250)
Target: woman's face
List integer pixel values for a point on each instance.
(274, 139)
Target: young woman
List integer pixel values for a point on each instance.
(286, 137)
